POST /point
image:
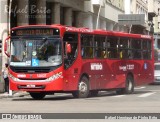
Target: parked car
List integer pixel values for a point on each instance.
(157, 73)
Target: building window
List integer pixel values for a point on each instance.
(14, 14)
(62, 10)
(32, 15)
(74, 14)
(48, 13)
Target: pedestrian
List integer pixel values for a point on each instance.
(6, 79)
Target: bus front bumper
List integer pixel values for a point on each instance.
(56, 85)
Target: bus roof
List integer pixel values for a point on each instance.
(86, 30)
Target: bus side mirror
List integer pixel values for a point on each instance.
(68, 48)
(6, 45)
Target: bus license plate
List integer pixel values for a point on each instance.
(31, 86)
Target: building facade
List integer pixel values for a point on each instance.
(156, 21)
(80, 13)
(108, 11)
(138, 7)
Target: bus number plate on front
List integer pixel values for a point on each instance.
(31, 86)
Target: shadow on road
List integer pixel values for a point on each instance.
(47, 98)
(62, 97)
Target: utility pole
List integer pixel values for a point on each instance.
(99, 13)
(9, 18)
(9, 30)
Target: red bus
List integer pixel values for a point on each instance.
(46, 59)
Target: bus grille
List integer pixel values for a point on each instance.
(32, 79)
(31, 70)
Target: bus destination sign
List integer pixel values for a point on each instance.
(35, 32)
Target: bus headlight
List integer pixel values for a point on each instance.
(55, 77)
(13, 78)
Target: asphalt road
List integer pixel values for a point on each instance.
(146, 99)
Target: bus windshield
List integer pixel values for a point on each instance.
(36, 52)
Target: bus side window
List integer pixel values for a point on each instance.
(72, 39)
(137, 48)
(100, 46)
(87, 46)
(112, 43)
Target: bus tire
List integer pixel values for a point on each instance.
(37, 96)
(83, 88)
(129, 87)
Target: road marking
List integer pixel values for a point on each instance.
(147, 94)
(119, 95)
(140, 88)
(155, 90)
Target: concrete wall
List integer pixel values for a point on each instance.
(78, 5)
(112, 13)
(108, 14)
(3, 36)
(157, 38)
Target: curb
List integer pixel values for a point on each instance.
(17, 94)
(3, 95)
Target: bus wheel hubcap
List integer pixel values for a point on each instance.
(129, 85)
(82, 87)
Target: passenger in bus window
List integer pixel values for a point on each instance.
(121, 54)
(109, 54)
(104, 54)
(89, 52)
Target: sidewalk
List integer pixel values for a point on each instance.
(16, 94)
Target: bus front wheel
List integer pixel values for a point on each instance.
(83, 88)
(37, 96)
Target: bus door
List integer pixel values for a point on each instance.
(71, 65)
